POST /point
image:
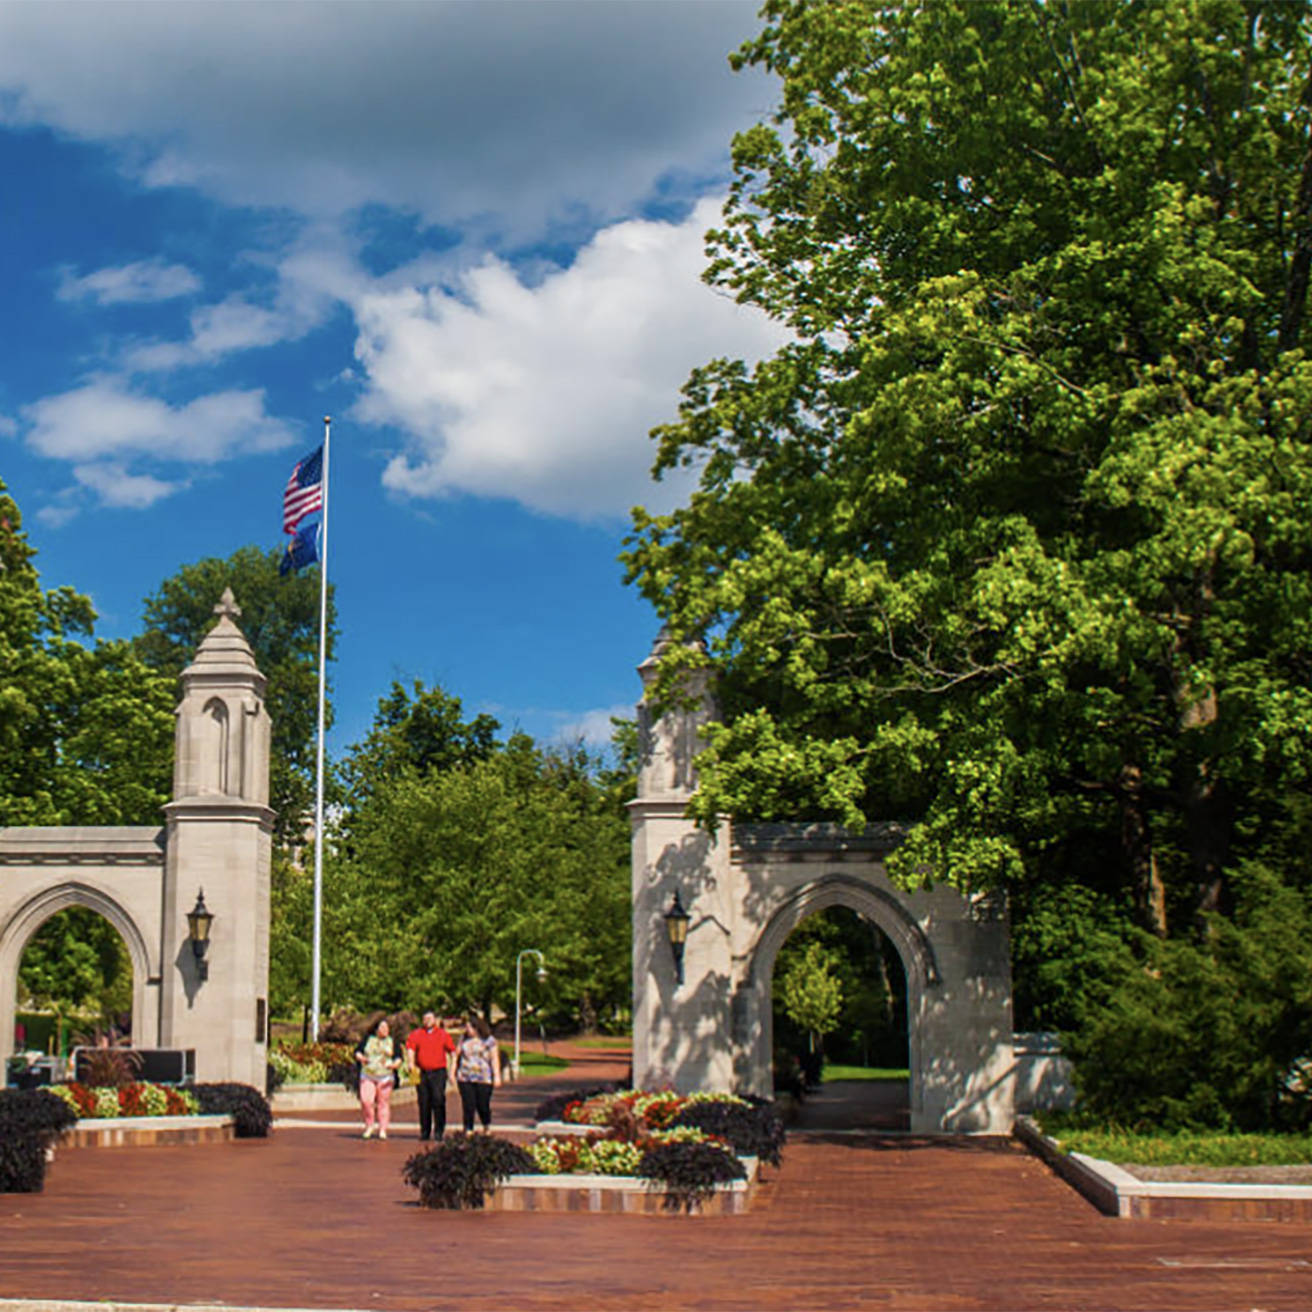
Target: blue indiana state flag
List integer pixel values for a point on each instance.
(302, 549)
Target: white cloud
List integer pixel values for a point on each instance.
(58, 513)
(116, 487)
(104, 420)
(515, 114)
(546, 394)
(593, 728)
(311, 280)
(140, 282)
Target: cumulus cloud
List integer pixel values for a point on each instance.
(115, 486)
(518, 113)
(312, 278)
(141, 282)
(105, 421)
(546, 393)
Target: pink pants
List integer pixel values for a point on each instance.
(379, 1092)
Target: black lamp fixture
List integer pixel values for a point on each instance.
(676, 926)
(199, 920)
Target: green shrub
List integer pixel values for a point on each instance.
(461, 1170)
(1209, 1033)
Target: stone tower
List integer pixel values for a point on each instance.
(219, 842)
(678, 1029)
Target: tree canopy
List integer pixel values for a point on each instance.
(86, 728)
(1012, 538)
(457, 851)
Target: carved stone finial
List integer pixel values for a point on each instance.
(227, 605)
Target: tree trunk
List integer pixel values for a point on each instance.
(1140, 855)
(1300, 261)
(1208, 818)
(587, 1013)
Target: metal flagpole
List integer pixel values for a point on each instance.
(318, 770)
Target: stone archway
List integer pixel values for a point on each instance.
(745, 888)
(24, 921)
(216, 839)
(836, 888)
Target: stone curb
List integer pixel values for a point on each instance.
(102, 1305)
(146, 1131)
(1115, 1192)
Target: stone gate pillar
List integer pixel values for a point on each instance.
(219, 840)
(682, 1034)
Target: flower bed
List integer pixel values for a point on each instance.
(248, 1107)
(312, 1063)
(675, 1151)
(103, 1103)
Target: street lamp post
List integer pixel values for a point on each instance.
(519, 988)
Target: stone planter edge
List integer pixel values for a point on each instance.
(1115, 1192)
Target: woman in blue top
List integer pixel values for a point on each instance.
(478, 1070)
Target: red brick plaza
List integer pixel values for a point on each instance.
(315, 1218)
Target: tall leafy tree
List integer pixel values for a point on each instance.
(1012, 538)
(452, 868)
(86, 728)
(812, 992)
(280, 618)
(417, 730)
(76, 962)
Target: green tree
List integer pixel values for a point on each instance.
(86, 729)
(417, 730)
(76, 962)
(811, 991)
(280, 618)
(449, 872)
(1012, 539)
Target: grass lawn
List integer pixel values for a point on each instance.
(865, 1073)
(537, 1063)
(605, 1041)
(1183, 1148)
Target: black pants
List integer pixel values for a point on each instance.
(432, 1102)
(475, 1097)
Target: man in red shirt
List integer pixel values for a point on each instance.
(427, 1048)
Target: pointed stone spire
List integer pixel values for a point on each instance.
(224, 649)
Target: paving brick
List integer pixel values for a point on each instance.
(315, 1217)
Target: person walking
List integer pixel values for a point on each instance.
(379, 1056)
(427, 1049)
(478, 1071)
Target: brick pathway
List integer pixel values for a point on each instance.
(314, 1217)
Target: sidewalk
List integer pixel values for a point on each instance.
(316, 1218)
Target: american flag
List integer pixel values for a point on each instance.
(303, 494)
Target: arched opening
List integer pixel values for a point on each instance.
(75, 985)
(839, 1023)
(83, 1009)
(213, 754)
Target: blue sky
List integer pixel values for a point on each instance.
(471, 232)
